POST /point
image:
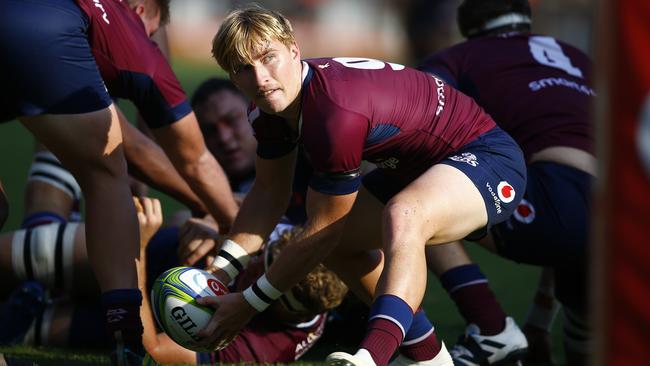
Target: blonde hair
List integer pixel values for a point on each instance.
(321, 290)
(247, 31)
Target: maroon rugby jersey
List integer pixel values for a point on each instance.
(355, 109)
(536, 88)
(131, 64)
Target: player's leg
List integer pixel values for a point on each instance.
(98, 164)
(358, 262)
(52, 194)
(448, 202)
(469, 289)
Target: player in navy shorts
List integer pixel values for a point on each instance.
(50, 81)
(450, 170)
(64, 59)
(539, 90)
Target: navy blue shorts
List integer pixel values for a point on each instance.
(47, 66)
(550, 227)
(493, 162)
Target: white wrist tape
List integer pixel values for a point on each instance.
(261, 294)
(48, 169)
(45, 253)
(232, 258)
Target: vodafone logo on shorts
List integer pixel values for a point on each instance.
(525, 212)
(506, 192)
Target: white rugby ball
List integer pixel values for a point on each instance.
(173, 301)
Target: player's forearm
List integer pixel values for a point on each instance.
(209, 182)
(259, 214)
(149, 163)
(309, 249)
(149, 336)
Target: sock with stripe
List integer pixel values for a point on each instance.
(469, 289)
(389, 318)
(421, 342)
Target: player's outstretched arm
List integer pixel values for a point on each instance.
(321, 234)
(148, 163)
(183, 143)
(159, 346)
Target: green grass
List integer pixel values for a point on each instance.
(513, 284)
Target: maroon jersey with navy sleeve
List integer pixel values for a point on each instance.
(355, 109)
(131, 64)
(548, 82)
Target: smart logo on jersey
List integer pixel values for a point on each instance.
(505, 191)
(525, 212)
(643, 136)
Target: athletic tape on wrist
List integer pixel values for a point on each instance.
(232, 258)
(261, 294)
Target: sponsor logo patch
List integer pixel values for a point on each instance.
(497, 201)
(465, 157)
(525, 212)
(506, 192)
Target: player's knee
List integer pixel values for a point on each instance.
(405, 218)
(46, 168)
(45, 253)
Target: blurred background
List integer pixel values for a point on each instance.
(403, 31)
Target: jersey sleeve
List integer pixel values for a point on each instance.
(334, 139)
(159, 97)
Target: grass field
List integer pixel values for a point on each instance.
(513, 284)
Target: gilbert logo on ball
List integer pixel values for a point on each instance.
(173, 301)
(506, 192)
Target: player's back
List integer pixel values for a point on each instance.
(385, 110)
(131, 64)
(536, 88)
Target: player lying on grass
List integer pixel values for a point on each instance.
(282, 334)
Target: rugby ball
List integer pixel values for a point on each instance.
(173, 301)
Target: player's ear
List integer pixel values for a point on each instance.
(139, 9)
(294, 50)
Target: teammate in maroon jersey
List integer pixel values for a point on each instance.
(437, 177)
(539, 90)
(63, 60)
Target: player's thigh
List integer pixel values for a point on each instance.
(47, 65)
(447, 204)
(80, 139)
(362, 229)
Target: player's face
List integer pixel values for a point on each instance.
(273, 80)
(227, 132)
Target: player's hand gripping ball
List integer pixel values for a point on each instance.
(174, 306)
